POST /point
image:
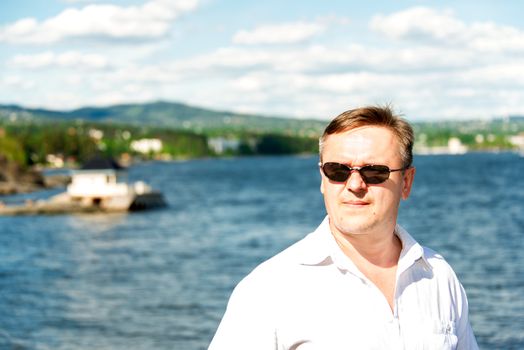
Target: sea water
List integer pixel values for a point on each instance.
(161, 279)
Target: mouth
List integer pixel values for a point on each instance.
(356, 203)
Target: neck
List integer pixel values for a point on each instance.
(381, 250)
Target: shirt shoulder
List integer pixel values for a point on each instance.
(282, 264)
(437, 261)
(442, 271)
(255, 303)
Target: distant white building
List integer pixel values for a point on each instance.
(146, 146)
(55, 160)
(455, 146)
(96, 134)
(220, 145)
(518, 140)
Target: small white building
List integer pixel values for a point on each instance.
(98, 178)
(102, 183)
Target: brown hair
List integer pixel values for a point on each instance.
(374, 116)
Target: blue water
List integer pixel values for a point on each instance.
(161, 279)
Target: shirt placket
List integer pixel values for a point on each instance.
(405, 263)
(391, 321)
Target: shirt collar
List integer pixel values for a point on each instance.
(411, 252)
(321, 248)
(318, 249)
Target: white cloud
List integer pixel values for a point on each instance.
(149, 21)
(248, 83)
(430, 26)
(109, 98)
(286, 33)
(309, 82)
(502, 75)
(490, 37)
(319, 60)
(429, 63)
(70, 59)
(462, 93)
(148, 74)
(418, 22)
(79, 1)
(15, 81)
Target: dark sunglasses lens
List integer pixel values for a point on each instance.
(336, 171)
(375, 174)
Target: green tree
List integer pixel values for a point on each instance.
(12, 149)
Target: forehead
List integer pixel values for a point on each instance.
(365, 144)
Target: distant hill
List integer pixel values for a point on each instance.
(173, 116)
(178, 116)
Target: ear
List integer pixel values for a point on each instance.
(409, 176)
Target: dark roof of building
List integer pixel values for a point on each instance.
(101, 163)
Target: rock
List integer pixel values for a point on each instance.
(57, 180)
(16, 179)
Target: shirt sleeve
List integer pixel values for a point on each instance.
(247, 322)
(466, 338)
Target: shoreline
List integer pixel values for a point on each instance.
(59, 177)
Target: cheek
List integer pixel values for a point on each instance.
(330, 191)
(327, 188)
(382, 200)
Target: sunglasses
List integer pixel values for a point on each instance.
(371, 174)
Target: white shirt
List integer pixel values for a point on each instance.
(311, 296)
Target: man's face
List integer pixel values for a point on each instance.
(353, 206)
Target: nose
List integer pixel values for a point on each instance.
(355, 182)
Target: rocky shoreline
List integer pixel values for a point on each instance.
(15, 179)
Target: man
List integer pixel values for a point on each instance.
(360, 281)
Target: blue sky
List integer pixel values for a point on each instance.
(304, 59)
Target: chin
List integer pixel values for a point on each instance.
(354, 227)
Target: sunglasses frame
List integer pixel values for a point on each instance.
(359, 170)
